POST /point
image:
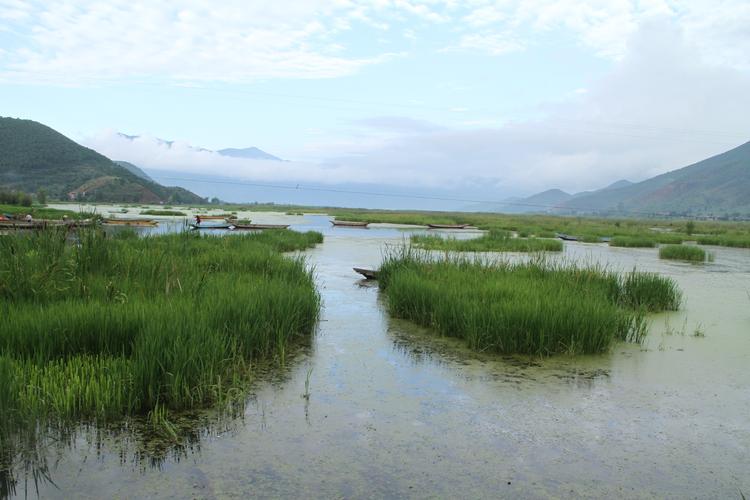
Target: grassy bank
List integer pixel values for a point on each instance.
(683, 252)
(121, 326)
(494, 241)
(42, 212)
(536, 308)
(173, 213)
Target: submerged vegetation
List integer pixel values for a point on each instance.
(493, 241)
(684, 252)
(110, 327)
(537, 307)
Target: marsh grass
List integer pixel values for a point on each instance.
(493, 241)
(684, 252)
(175, 213)
(110, 327)
(633, 242)
(537, 307)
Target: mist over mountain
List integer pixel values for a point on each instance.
(34, 156)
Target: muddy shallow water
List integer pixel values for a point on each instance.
(394, 411)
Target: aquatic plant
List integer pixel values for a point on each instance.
(683, 252)
(538, 307)
(633, 242)
(175, 213)
(109, 327)
(493, 241)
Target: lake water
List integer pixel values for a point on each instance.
(395, 411)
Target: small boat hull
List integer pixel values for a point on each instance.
(348, 223)
(567, 237)
(369, 274)
(447, 226)
(130, 222)
(221, 226)
(215, 217)
(255, 227)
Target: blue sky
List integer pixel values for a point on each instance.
(516, 96)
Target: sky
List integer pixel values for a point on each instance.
(480, 98)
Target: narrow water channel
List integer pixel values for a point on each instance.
(394, 411)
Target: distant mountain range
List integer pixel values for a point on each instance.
(717, 186)
(251, 153)
(34, 156)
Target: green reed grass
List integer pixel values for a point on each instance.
(493, 241)
(105, 327)
(175, 213)
(537, 307)
(683, 252)
(633, 242)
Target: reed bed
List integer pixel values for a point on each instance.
(536, 308)
(109, 327)
(493, 241)
(633, 242)
(174, 213)
(684, 252)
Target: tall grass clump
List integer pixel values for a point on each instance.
(493, 241)
(683, 252)
(537, 308)
(633, 242)
(101, 328)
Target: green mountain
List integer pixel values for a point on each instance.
(719, 186)
(34, 156)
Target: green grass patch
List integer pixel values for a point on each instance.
(111, 327)
(683, 252)
(494, 241)
(536, 308)
(632, 242)
(41, 212)
(175, 213)
(725, 240)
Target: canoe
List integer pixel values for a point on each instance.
(447, 226)
(348, 223)
(217, 226)
(369, 274)
(251, 227)
(215, 217)
(130, 222)
(43, 224)
(566, 237)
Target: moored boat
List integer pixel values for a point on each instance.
(215, 217)
(348, 223)
(130, 222)
(369, 274)
(212, 226)
(447, 226)
(566, 237)
(251, 227)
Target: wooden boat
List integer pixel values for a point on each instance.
(215, 217)
(130, 222)
(566, 237)
(447, 226)
(44, 224)
(369, 274)
(348, 223)
(251, 227)
(216, 226)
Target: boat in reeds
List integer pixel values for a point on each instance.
(130, 222)
(212, 226)
(253, 227)
(447, 226)
(349, 223)
(215, 217)
(44, 224)
(369, 274)
(566, 237)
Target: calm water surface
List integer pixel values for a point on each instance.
(394, 411)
